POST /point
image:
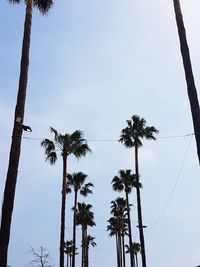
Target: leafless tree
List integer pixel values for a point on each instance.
(41, 257)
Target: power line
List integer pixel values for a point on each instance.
(114, 140)
(174, 187)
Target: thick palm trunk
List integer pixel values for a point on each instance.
(191, 88)
(11, 179)
(139, 209)
(74, 229)
(62, 227)
(129, 231)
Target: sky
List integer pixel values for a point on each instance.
(94, 64)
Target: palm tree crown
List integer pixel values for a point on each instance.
(84, 215)
(67, 143)
(42, 5)
(135, 131)
(125, 181)
(77, 182)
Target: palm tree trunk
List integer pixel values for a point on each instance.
(86, 249)
(117, 250)
(62, 227)
(123, 249)
(67, 260)
(74, 229)
(120, 248)
(129, 231)
(84, 245)
(191, 88)
(139, 209)
(70, 260)
(136, 259)
(11, 179)
(82, 256)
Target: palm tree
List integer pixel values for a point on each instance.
(119, 210)
(85, 218)
(131, 137)
(125, 181)
(18, 127)
(68, 249)
(76, 181)
(114, 227)
(191, 88)
(90, 241)
(67, 144)
(135, 249)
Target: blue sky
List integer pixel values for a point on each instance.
(94, 64)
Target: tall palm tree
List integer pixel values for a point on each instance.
(131, 136)
(125, 181)
(67, 144)
(191, 88)
(77, 182)
(85, 218)
(119, 211)
(18, 127)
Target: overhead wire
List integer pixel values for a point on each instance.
(178, 175)
(174, 187)
(114, 140)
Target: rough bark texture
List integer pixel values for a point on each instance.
(62, 227)
(139, 209)
(191, 88)
(129, 231)
(11, 179)
(74, 230)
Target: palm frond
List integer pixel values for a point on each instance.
(43, 5)
(51, 157)
(48, 145)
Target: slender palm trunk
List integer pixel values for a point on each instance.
(74, 229)
(82, 256)
(117, 250)
(191, 88)
(70, 260)
(83, 246)
(139, 209)
(120, 247)
(62, 227)
(136, 259)
(123, 247)
(11, 179)
(67, 259)
(86, 250)
(129, 230)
